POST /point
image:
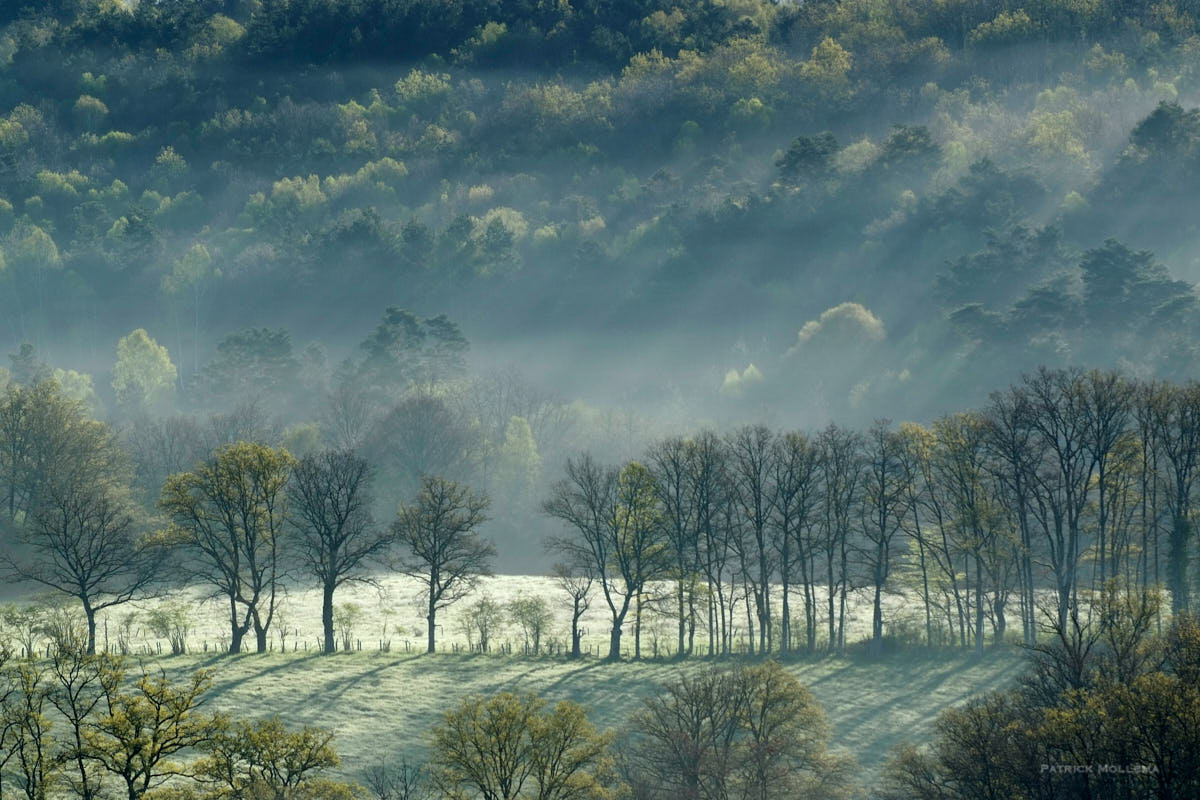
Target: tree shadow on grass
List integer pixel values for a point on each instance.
(926, 689)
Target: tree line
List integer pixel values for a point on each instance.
(240, 523)
(1030, 506)
(1064, 482)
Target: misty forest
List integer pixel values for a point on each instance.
(592, 400)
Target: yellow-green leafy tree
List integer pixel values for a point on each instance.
(143, 377)
(266, 761)
(230, 513)
(513, 746)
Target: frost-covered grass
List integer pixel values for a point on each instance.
(381, 705)
(391, 609)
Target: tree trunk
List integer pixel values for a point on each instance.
(925, 594)
(327, 618)
(832, 610)
(749, 618)
(881, 556)
(785, 579)
(260, 635)
(614, 641)
(785, 621)
(679, 598)
(431, 622)
(237, 631)
(1177, 565)
(691, 633)
(90, 613)
(877, 622)
(841, 643)
(763, 598)
(978, 606)
(637, 625)
(712, 619)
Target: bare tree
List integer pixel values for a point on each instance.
(79, 529)
(1015, 455)
(577, 582)
(587, 500)
(686, 741)
(1177, 429)
(961, 468)
(669, 461)
(532, 615)
(83, 543)
(160, 447)
(709, 487)
(1107, 408)
(480, 622)
(841, 474)
(440, 546)
(497, 397)
(794, 500)
(398, 781)
(334, 531)
(245, 422)
(1058, 416)
(425, 434)
(882, 504)
(347, 413)
(750, 452)
(752, 732)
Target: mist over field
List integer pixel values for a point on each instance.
(751, 347)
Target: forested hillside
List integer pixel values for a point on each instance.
(634, 202)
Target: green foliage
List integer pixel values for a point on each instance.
(519, 459)
(513, 746)
(404, 350)
(1133, 714)
(255, 362)
(143, 377)
(230, 512)
(538, 161)
(266, 760)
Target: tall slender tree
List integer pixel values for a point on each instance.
(440, 546)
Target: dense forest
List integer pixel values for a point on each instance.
(632, 202)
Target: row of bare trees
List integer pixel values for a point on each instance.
(1061, 484)
(241, 522)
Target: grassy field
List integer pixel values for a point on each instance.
(391, 609)
(380, 705)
